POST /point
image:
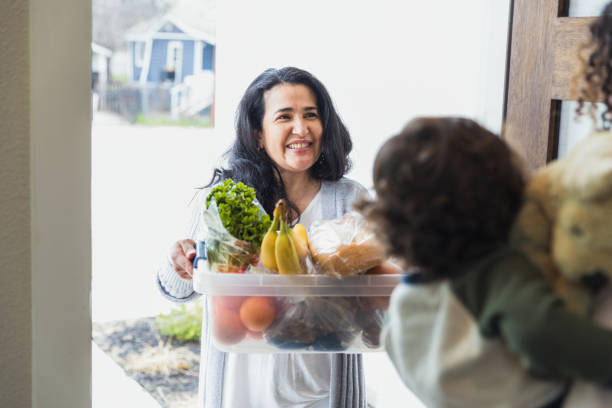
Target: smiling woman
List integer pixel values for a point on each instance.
(290, 144)
(291, 136)
(279, 108)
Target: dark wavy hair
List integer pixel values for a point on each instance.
(595, 59)
(447, 190)
(252, 166)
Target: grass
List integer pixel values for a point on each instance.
(183, 323)
(163, 359)
(145, 120)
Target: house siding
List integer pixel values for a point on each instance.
(207, 56)
(158, 61)
(188, 51)
(158, 57)
(135, 69)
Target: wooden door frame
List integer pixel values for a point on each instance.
(542, 58)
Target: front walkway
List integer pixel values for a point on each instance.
(111, 387)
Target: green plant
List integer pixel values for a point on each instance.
(183, 323)
(238, 212)
(146, 120)
(122, 79)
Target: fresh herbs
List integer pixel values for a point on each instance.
(238, 212)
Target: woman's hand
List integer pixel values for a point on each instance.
(181, 256)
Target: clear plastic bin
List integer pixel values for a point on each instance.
(259, 313)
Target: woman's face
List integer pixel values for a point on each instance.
(291, 127)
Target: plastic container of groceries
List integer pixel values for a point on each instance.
(271, 313)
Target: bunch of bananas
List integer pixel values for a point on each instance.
(284, 251)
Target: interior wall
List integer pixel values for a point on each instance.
(383, 62)
(15, 265)
(60, 185)
(45, 256)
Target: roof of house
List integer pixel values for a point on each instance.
(195, 18)
(98, 49)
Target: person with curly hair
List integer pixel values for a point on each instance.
(474, 323)
(593, 81)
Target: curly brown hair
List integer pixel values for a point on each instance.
(595, 69)
(448, 191)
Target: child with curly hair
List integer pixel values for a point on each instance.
(474, 324)
(593, 81)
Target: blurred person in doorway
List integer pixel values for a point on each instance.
(476, 323)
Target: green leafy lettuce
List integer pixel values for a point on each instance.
(239, 212)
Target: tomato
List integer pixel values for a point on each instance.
(228, 302)
(227, 327)
(257, 313)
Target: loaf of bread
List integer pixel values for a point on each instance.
(344, 246)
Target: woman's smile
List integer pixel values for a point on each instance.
(299, 147)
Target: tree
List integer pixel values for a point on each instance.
(112, 18)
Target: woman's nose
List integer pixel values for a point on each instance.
(299, 127)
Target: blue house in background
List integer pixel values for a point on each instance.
(173, 47)
(171, 60)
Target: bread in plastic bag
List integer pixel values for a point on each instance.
(344, 246)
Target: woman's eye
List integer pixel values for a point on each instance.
(283, 117)
(311, 115)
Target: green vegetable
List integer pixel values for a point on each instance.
(239, 214)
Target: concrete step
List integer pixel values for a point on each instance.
(111, 387)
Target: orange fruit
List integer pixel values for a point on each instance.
(227, 327)
(228, 302)
(257, 313)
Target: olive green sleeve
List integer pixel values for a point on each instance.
(511, 299)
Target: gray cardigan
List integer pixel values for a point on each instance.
(347, 388)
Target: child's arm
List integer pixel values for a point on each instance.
(511, 298)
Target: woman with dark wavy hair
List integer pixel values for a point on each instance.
(448, 192)
(290, 143)
(254, 165)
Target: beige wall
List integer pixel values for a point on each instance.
(385, 64)
(45, 240)
(15, 265)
